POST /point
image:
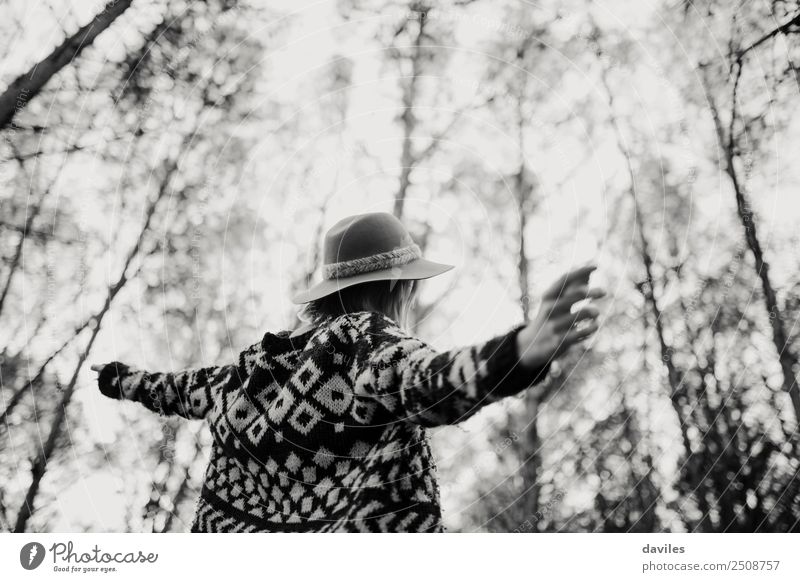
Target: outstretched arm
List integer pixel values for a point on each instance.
(189, 394)
(433, 388)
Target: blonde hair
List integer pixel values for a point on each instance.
(393, 298)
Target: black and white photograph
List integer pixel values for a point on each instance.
(400, 266)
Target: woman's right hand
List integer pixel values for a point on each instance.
(97, 367)
(556, 328)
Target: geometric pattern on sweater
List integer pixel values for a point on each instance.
(326, 431)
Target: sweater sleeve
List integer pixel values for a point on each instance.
(433, 388)
(189, 394)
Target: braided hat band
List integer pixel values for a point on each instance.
(394, 258)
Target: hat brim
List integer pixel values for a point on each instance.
(415, 270)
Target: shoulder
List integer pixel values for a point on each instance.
(378, 338)
(250, 357)
(360, 331)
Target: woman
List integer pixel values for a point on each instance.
(323, 429)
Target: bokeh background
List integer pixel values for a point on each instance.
(167, 170)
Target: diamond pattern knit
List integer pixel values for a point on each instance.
(326, 431)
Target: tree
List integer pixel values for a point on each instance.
(28, 85)
(40, 463)
(737, 138)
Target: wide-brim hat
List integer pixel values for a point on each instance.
(369, 247)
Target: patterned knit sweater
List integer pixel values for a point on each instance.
(325, 431)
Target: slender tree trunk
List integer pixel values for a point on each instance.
(410, 158)
(160, 488)
(647, 289)
(39, 466)
(522, 257)
(25, 87)
(678, 395)
(531, 462)
(788, 360)
(177, 499)
(641, 486)
(183, 489)
(409, 121)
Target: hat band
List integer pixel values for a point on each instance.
(394, 258)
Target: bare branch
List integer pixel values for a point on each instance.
(25, 87)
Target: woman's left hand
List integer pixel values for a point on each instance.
(556, 327)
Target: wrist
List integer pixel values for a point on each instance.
(527, 355)
(507, 372)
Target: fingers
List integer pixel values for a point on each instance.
(97, 367)
(578, 335)
(587, 312)
(563, 304)
(576, 276)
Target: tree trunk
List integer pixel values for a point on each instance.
(522, 257)
(678, 396)
(177, 499)
(160, 488)
(39, 466)
(647, 289)
(531, 463)
(185, 487)
(25, 87)
(409, 121)
(788, 360)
